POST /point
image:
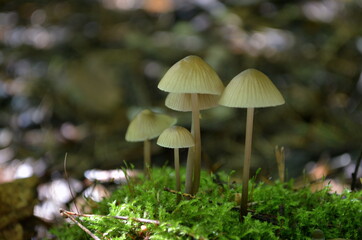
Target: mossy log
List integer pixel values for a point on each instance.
(17, 200)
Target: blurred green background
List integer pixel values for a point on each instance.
(73, 73)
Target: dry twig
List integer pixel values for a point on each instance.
(68, 181)
(354, 174)
(68, 214)
(141, 220)
(280, 158)
(186, 195)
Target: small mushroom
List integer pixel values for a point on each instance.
(250, 89)
(144, 127)
(176, 137)
(194, 76)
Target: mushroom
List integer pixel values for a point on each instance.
(193, 76)
(182, 102)
(176, 137)
(250, 89)
(144, 127)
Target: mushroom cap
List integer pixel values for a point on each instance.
(182, 101)
(191, 75)
(176, 137)
(251, 89)
(148, 125)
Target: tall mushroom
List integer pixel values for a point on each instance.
(194, 76)
(250, 89)
(182, 102)
(176, 137)
(144, 127)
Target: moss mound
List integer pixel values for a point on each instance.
(275, 212)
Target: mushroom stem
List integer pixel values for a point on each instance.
(246, 168)
(177, 169)
(190, 166)
(197, 136)
(147, 157)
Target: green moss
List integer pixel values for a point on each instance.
(278, 212)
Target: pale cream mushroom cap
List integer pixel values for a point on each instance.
(191, 75)
(182, 101)
(251, 89)
(148, 125)
(176, 137)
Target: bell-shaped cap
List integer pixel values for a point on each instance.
(191, 75)
(182, 101)
(148, 125)
(251, 89)
(176, 137)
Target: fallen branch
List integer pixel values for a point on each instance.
(68, 214)
(141, 220)
(68, 181)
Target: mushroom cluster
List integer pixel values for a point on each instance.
(193, 86)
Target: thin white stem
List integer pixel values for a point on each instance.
(246, 167)
(147, 158)
(177, 169)
(197, 136)
(190, 166)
